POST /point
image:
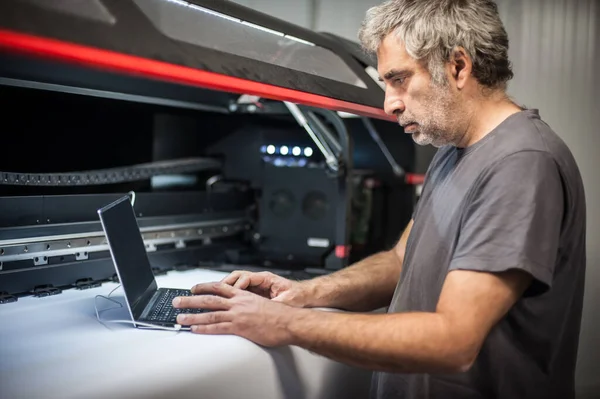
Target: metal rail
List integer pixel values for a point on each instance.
(41, 249)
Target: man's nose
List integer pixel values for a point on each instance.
(393, 105)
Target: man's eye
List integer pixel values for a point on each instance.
(399, 80)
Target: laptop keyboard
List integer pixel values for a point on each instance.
(163, 309)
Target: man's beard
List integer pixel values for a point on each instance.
(440, 125)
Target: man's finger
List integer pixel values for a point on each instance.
(232, 277)
(210, 302)
(204, 318)
(242, 283)
(214, 329)
(218, 288)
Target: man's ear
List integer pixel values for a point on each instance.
(461, 66)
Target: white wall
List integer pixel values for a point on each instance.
(555, 49)
(342, 17)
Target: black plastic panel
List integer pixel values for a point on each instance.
(131, 24)
(32, 211)
(298, 213)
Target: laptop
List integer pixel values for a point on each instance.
(148, 304)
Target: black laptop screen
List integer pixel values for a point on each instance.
(128, 252)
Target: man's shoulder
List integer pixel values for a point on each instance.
(523, 132)
(529, 133)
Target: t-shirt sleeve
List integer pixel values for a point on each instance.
(512, 219)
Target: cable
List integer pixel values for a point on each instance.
(132, 194)
(126, 174)
(176, 328)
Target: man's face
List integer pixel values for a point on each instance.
(430, 112)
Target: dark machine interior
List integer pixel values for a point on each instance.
(218, 180)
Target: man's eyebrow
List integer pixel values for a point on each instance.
(394, 73)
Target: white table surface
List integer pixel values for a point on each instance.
(54, 347)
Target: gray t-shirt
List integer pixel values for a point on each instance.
(513, 200)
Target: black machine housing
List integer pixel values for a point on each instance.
(219, 179)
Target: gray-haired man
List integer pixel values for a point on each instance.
(485, 285)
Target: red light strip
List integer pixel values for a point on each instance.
(114, 61)
(414, 179)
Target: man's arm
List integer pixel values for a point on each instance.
(364, 286)
(448, 340)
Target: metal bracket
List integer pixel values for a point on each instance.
(45, 290)
(319, 141)
(40, 260)
(150, 247)
(81, 256)
(86, 283)
(5, 297)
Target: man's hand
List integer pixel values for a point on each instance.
(270, 286)
(237, 312)
(445, 341)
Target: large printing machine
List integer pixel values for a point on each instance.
(244, 142)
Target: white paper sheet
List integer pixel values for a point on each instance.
(54, 347)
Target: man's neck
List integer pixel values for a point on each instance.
(487, 112)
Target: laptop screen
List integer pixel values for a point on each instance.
(128, 253)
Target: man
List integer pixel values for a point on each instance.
(485, 285)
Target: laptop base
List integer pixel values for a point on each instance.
(160, 311)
